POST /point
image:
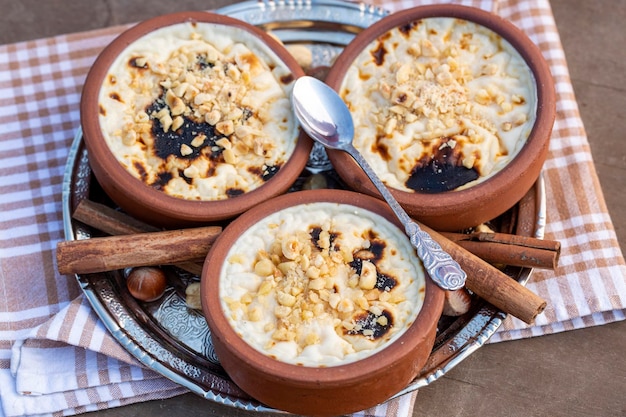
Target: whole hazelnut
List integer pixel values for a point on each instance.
(146, 283)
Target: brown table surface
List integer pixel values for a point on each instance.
(576, 373)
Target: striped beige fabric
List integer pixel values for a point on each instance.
(56, 357)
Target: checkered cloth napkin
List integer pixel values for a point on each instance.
(56, 357)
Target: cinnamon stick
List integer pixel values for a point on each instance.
(101, 254)
(109, 220)
(491, 284)
(115, 223)
(514, 250)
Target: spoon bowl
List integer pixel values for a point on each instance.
(335, 130)
(325, 117)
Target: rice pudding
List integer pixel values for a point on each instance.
(439, 104)
(199, 110)
(321, 284)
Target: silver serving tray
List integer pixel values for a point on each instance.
(173, 340)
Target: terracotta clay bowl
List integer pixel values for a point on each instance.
(455, 207)
(303, 387)
(208, 108)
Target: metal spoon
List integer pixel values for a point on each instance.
(325, 117)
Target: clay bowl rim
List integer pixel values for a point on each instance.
(445, 203)
(340, 375)
(158, 201)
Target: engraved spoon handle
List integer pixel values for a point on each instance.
(443, 270)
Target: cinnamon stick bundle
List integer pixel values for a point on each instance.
(188, 245)
(495, 248)
(506, 249)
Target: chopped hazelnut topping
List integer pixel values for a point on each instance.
(189, 95)
(191, 171)
(299, 272)
(177, 122)
(185, 150)
(435, 81)
(176, 104)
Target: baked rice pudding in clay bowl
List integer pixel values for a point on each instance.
(453, 107)
(187, 118)
(317, 303)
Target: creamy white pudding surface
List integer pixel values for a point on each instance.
(200, 111)
(440, 93)
(321, 284)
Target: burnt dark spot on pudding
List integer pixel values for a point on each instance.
(379, 148)
(234, 192)
(141, 170)
(170, 142)
(441, 171)
(379, 54)
(315, 236)
(315, 232)
(138, 62)
(364, 76)
(162, 179)
(247, 113)
(264, 173)
(252, 60)
(116, 97)
(401, 99)
(269, 172)
(407, 28)
(287, 79)
(182, 175)
(385, 282)
(102, 110)
(371, 325)
(203, 63)
(374, 254)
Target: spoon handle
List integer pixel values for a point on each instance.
(443, 270)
